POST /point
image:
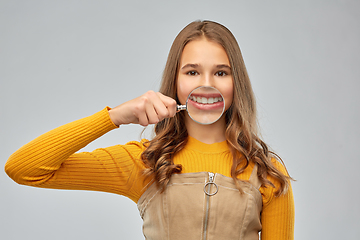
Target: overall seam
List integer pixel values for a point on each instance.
(166, 214)
(203, 219)
(243, 221)
(143, 208)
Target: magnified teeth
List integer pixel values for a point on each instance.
(205, 100)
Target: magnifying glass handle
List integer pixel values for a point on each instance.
(180, 107)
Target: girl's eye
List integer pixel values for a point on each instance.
(192, 73)
(221, 73)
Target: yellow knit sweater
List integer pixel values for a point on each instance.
(51, 161)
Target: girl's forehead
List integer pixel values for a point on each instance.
(203, 51)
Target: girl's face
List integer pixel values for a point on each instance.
(204, 63)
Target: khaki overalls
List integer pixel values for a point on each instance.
(202, 206)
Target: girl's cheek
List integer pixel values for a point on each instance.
(228, 94)
(182, 91)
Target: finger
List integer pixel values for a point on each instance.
(158, 105)
(151, 114)
(142, 119)
(139, 111)
(169, 103)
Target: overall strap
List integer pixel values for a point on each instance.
(254, 180)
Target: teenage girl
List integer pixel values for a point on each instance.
(192, 181)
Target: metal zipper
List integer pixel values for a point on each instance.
(207, 190)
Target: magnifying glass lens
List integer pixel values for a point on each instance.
(205, 105)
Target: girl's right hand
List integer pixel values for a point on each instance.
(149, 108)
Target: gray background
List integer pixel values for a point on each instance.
(64, 60)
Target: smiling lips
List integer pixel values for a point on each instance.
(206, 101)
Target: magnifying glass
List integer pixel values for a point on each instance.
(204, 105)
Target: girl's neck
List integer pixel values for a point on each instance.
(209, 134)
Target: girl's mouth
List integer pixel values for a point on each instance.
(206, 101)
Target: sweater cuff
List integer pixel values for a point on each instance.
(106, 112)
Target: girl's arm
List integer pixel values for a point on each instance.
(278, 215)
(50, 160)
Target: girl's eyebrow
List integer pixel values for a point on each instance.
(190, 65)
(223, 66)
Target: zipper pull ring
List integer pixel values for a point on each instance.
(208, 185)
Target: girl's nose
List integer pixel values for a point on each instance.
(207, 80)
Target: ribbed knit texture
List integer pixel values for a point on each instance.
(50, 161)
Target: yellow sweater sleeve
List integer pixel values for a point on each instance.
(278, 214)
(51, 161)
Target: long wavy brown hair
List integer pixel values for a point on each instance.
(241, 122)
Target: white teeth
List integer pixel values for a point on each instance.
(205, 100)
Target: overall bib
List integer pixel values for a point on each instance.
(202, 206)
